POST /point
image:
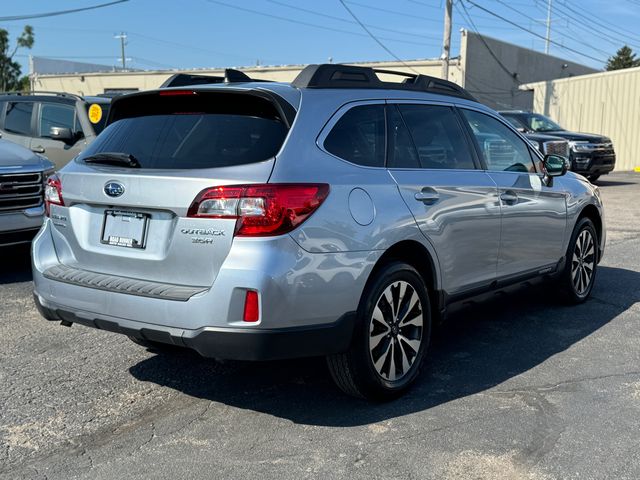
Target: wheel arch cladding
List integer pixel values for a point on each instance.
(592, 213)
(416, 255)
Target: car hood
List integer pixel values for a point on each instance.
(15, 157)
(579, 137)
(542, 137)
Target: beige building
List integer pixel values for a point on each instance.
(104, 82)
(606, 103)
(490, 69)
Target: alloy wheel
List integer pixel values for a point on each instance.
(583, 262)
(395, 332)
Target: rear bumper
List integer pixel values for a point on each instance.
(224, 343)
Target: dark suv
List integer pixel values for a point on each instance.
(58, 125)
(591, 155)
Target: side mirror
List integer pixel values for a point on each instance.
(555, 165)
(61, 133)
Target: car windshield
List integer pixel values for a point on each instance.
(515, 122)
(540, 123)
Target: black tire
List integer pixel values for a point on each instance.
(593, 178)
(575, 281)
(156, 347)
(404, 322)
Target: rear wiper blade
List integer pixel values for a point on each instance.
(113, 158)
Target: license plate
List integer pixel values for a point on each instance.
(124, 229)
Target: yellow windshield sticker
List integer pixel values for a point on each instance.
(95, 113)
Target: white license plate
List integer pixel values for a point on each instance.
(124, 229)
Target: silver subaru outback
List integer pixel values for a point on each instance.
(340, 215)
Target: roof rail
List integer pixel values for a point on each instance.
(330, 75)
(187, 80)
(42, 92)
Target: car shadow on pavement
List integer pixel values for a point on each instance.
(612, 183)
(16, 264)
(479, 348)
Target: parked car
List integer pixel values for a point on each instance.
(548, 144)
(339, 215)
(22, 177)
(590, 155)
(58, 125)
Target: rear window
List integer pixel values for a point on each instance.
(193, 131)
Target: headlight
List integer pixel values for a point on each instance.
(580, 146)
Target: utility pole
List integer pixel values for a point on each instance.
(123, 42)
(548, 36)
(446, 41)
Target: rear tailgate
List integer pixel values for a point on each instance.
(132, 222)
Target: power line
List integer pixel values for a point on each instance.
(309, 24)
(415, 16)
(59, 12)
(374, 37)
(182, 45)
(394, 12)
(424, 4)
(466, 14)
(519, 12)
(146, 61)
(333, 17)
(490, 12)
(603, 34)
(571, 20)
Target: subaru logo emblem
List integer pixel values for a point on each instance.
(114, 189)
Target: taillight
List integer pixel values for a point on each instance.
(52, 193)
(261, 209)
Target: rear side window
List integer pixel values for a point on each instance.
(193, 131)
(438, 137)
(359, 136)
(18, 118)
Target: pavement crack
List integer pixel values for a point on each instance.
(555, 386)
(151, 437)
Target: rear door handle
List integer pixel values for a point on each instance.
(509, 197)
(427, 195)
(38, 149)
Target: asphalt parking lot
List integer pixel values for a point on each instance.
(521, 387)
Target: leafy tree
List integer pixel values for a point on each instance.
(9, 69)
(624, 58)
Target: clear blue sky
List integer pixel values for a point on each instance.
(212, 33)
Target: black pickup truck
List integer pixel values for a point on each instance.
(591, 155)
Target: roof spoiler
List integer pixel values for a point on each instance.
(187, 80)
(348, 76)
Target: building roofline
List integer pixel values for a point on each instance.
(588, 76)
(253, 68)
